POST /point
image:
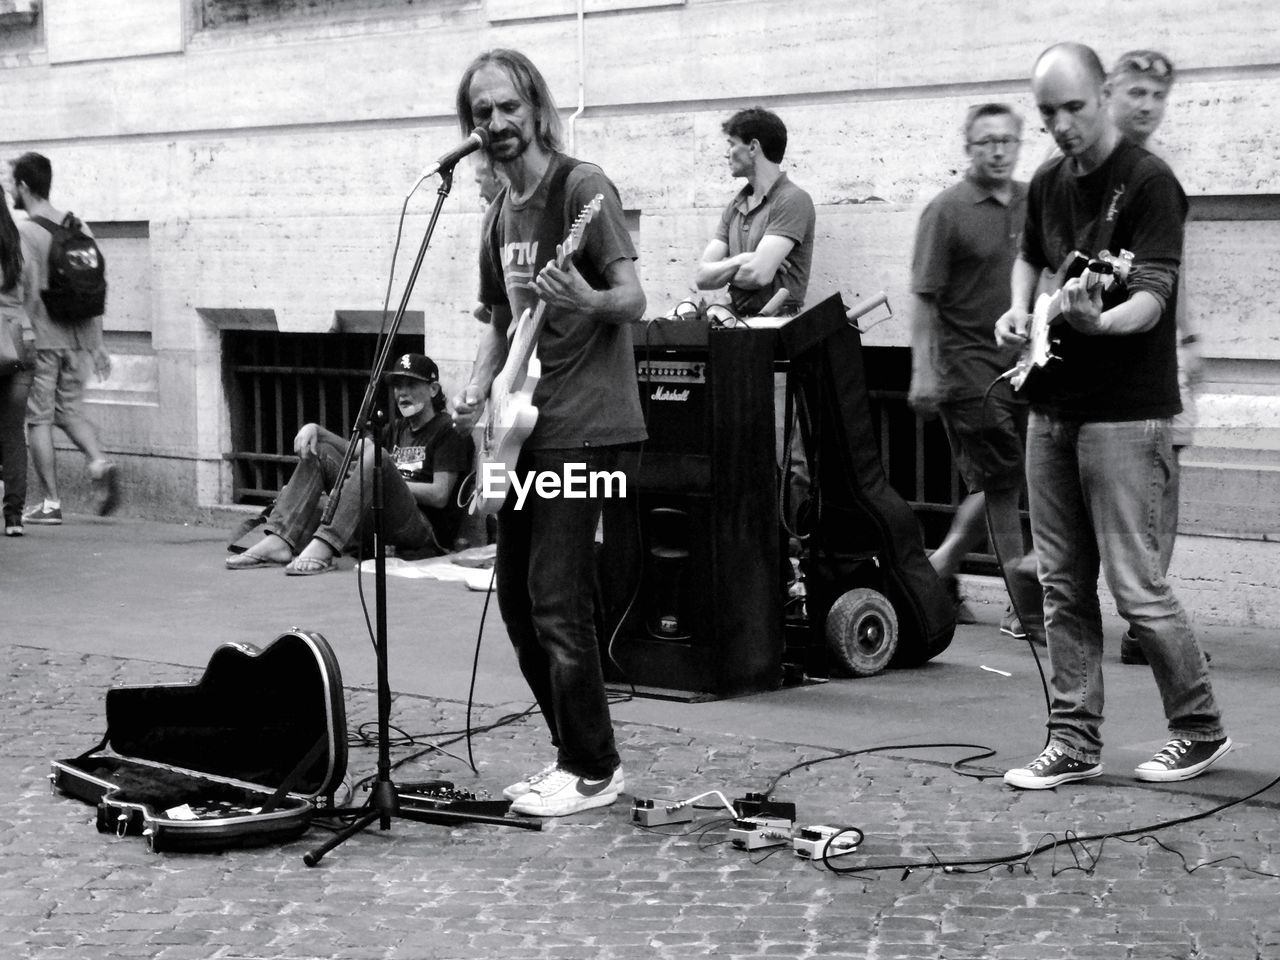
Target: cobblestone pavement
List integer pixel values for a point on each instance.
(595, 886)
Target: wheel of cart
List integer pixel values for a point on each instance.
(862, 632)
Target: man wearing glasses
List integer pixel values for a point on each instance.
(1099, 439)
(1139, 84)
(764, 242)
(965, 246)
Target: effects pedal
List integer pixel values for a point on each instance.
(443, 795)
(822, 842)
(656, 813)
(758, 805)
(756, 833)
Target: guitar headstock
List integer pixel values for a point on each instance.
(585, 216)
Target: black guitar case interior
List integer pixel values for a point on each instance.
(856, 513)
(242, 757)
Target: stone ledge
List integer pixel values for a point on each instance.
(1220, 581)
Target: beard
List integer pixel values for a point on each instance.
(508, 147)
(17, 202)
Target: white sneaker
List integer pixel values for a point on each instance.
(561, 793)
(521, 787)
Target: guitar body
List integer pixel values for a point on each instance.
(499, 441)
(1038, 351)
(1102, 272)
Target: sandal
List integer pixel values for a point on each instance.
(309, 566)
(251, 561)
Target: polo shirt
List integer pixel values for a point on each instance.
(785, 211)
(966, 243)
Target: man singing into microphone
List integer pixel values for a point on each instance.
(588, 412)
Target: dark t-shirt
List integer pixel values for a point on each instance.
(587, 394)
(965, 247)
(418, 454)
(786, 211)
(1103, 377)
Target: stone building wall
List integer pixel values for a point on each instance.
(251, 157)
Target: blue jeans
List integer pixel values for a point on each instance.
(295, 517)
(1098, 494)
(546, 573)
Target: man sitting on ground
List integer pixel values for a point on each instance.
(420, 479)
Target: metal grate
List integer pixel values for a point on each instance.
(275, 383)
(915, 452)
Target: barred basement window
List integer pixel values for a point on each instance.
(276, 382)
(915, 452)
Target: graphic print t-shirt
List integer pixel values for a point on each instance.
(587, 394)
(418, 454)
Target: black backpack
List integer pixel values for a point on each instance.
(77, 273)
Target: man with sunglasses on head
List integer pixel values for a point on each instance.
(965, 246)
(1099, 439)
(1140, 83)
(764, 242)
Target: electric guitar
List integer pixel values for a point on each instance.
(1100, 272)
(512, 416)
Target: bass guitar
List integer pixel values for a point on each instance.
(511, 415)
(1102, 271)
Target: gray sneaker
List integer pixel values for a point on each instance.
(1182, 760)
(42, 514)
(1051, 768)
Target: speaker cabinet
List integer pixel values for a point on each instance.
(690, 570)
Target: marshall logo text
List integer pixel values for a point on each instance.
(665, 393)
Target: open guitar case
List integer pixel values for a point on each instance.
(243, 757)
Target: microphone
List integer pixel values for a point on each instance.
(478, 140)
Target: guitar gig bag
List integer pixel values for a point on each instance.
(854, 514)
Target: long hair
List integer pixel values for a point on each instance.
(10, 247)
(528, 82)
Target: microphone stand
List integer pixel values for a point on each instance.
(385, 799)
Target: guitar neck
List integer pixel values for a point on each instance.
(525, 338)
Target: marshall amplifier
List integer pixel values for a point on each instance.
(673, 392)
(691, 564)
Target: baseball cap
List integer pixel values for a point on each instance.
(414, 366)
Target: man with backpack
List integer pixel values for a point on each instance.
(65, 305)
